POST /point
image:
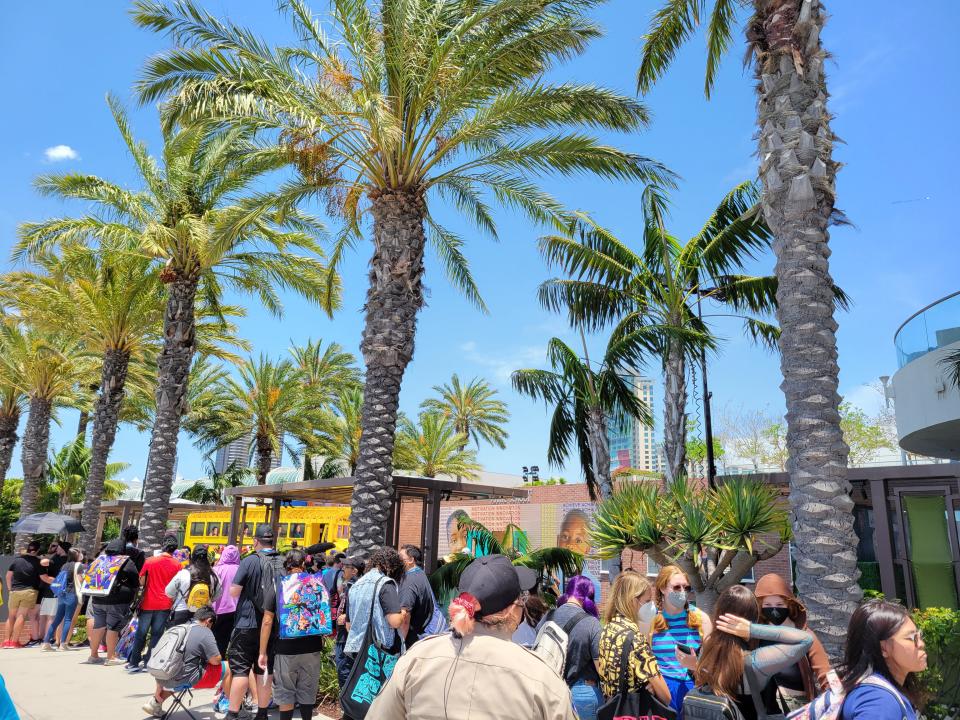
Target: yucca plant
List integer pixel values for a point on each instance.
(716, 535)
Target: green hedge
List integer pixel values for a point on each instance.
(941, 634)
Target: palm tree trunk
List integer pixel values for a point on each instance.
(179, 330)
(106, 416)
(599, 450)
(8, 439)
(33, 458)
(394, 298)
(82, 424)
(265, 458)
(675, 412)
(798, 174)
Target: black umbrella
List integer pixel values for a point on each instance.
(47, 523)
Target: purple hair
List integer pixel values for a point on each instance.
(580, 588)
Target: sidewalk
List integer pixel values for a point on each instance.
(55, 686)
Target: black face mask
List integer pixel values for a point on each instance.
(776, 615)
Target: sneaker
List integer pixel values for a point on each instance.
(223, 705)
(47, 647)
(91, 660)
(65, 648)
(32, 643)
(10, 645)
(133, 669)
(153, 707)
(115, 661)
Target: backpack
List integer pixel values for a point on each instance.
(167, 657)
(701, 703)
(101, 576)
(829, 704)
(437, 624)
(59, 585)
(198, 596)
(303, 606)
(271, 568)
(334, 596)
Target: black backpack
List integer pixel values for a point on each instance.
(701, 703)
(271, 567)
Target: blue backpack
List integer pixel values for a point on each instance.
(60, 584)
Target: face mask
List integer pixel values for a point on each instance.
(776, 615)
(677, 598)
(647, 612)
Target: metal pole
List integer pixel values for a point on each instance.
(707, 418)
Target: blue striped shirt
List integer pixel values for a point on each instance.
(665, 644)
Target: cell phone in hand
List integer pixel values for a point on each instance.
(686, 649)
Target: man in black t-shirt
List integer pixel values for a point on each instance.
(416, 596)
(111, 612)
(23, 585)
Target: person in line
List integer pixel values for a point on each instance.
(730, 667)
(23, 587)
(883, 655)
(200, 650)
(244, 647)
(192, 587)
(54, 561)
(110, 612)
(577, 614)
(677, 623)
(627, 617)
(296, 662)
(476, 670)
(66, 605)
(800, 683)
(131, 536)
(352, 568)
(333, 582)
(416, 595)
(156, 573)
(387, 616)
(534, 608)
(225, 606)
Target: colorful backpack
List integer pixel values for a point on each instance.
(102, 574)
(828, 705)
(303, 606)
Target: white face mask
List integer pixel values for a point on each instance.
(647, 612)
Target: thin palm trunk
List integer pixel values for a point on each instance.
(33, 458)
(599, 450)
(82, 424)
(265, 458)
(105, 420)
(179, 330)
(394, 298)
(798, 174)
(674, 412)
(8, 440)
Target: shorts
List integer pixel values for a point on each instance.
(111, 617)
(48, 606)
(22, 600)
(243, 651)
(295, 679)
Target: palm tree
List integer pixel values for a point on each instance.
(68, 473)
(795, 144)
(12, 402)
(474, 410)
(348, 408)
(416, 102)
(48, 367)
(325, 373)
(268, 401)
(660, 287)
(190, 214)
(209, 491)
(433, 447)
(583, 396)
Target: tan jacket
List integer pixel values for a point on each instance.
(492, 679)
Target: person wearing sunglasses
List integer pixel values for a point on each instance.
(884, 653)
(677, 623)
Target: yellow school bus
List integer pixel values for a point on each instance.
(303, 525)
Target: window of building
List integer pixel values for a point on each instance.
(653, 568)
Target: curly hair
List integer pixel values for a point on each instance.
(387, 560)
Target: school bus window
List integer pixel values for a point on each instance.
(213, 529)
(248, 529)
(298, 530)
(225, 529)
(197, 529)
(283, 530)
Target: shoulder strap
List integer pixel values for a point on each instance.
(625, 663)
(880, 682)
(574, 621)
(751, 677)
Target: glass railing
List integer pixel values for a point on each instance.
(936, 326)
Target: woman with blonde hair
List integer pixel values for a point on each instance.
(677, 623)
(629, 612)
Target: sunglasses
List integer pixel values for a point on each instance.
(678, 588)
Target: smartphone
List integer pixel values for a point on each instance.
(686, 649)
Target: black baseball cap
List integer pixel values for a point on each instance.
(495, 582)
(264, 532)
(354, 562)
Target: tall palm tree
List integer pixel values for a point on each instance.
(191, 214)
(348, 409)
(268, 401)
(325, 372)
(68, 472)
(473, 409)
(433, 447)
(416, 102)
(50, 366)
(660, 285)
(210, 490)
(583, 396)
(12, 402)
(795, 144)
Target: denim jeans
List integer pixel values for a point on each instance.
(678, 690)
(65, 608)
(586, 699)
(342, 661)
(154, 621)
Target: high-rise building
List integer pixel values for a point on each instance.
(632, 443)
(239, 452)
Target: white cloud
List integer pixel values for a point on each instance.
(469, 346)
(57, 153)
(502, 364)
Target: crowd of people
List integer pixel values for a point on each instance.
(754, 653)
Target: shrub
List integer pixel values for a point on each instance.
(941, 680)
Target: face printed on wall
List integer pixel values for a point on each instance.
(575, 532)
(456, 536)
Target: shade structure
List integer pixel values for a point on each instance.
(47, 523)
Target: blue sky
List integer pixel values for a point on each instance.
(895, 103)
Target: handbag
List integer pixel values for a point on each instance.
(371, 669)
(627, 705)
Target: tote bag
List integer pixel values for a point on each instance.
(102, 575)
(371, 670)
(633, 705)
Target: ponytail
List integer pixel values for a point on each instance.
(462, 611)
